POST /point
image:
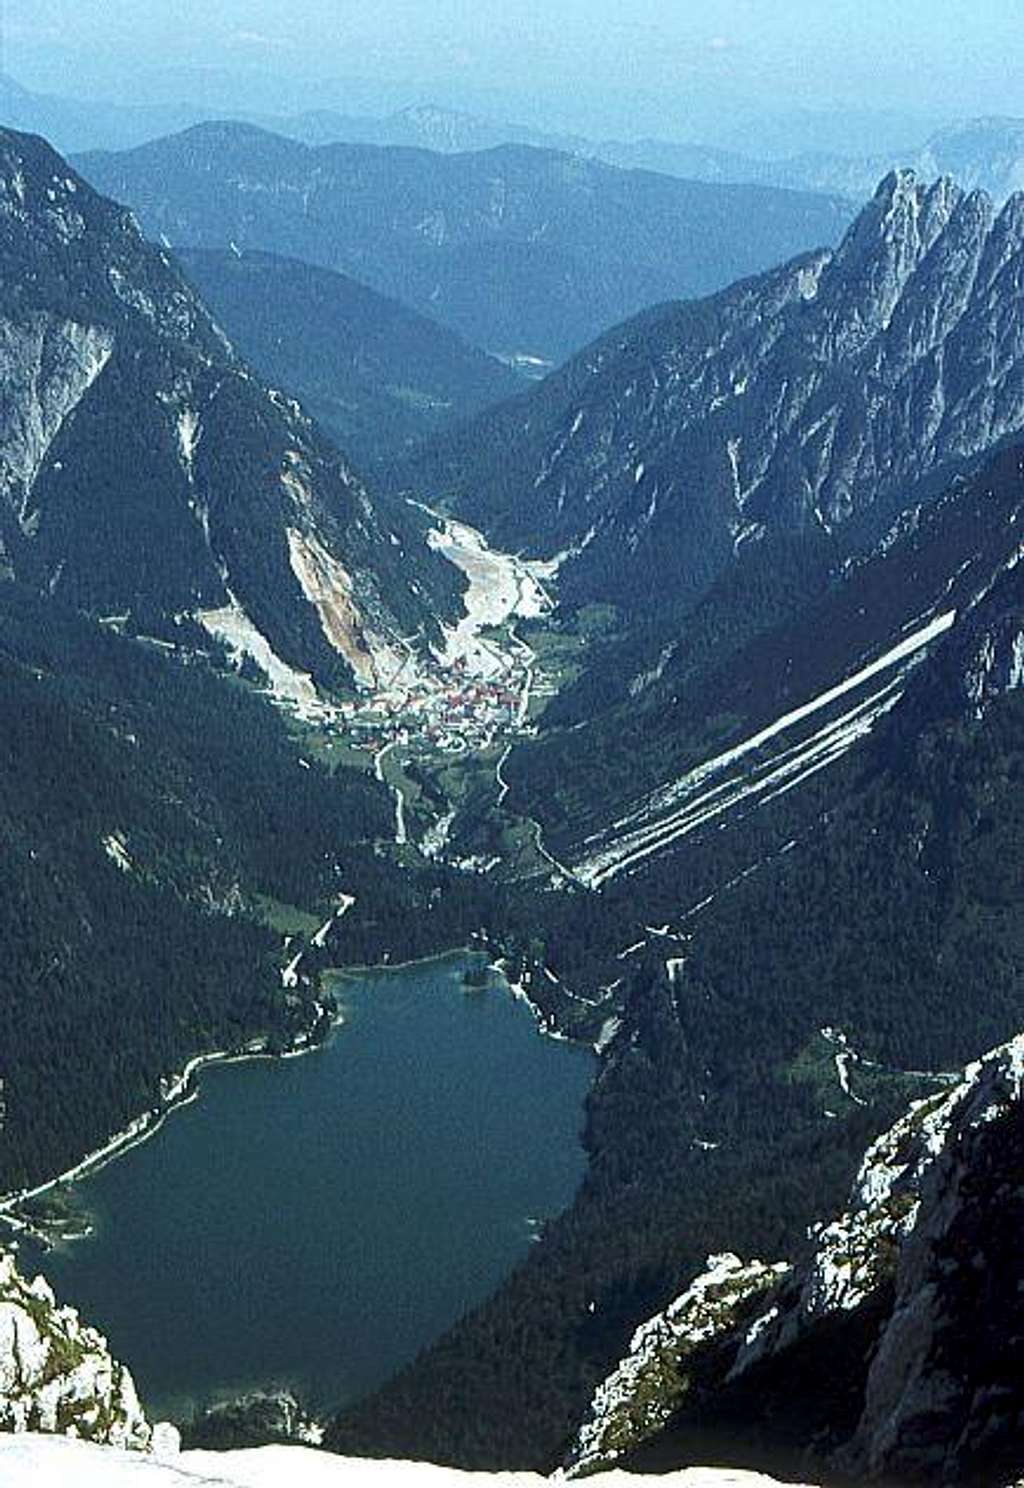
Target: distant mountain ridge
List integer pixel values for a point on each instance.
(816, 396)
(79, 124)
(423, 126)
(986, 152)
(522, 251)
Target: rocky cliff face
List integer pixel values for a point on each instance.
(800, 400)
(943, 1399)
(642, 1395)
(146, 474)
(56, 1374)
(890, 1350)
(987, 659)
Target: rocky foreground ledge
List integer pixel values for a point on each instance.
(31, 1461)
(891, 1353)
(57, 1374)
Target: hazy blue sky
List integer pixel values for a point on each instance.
(568, 57)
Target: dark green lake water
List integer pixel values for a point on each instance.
(315, 1222)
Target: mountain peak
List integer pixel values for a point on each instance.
(905, 212)
(901, 182)
(883, 250)
(904, 196)
(797, 400)
(1011, 219)
(51, 218)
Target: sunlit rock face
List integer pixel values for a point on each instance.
(637, 1400)
(892, 1351)
(56, 1374)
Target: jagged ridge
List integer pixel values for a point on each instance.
(805, 399)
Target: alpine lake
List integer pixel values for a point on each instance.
(312, 1223)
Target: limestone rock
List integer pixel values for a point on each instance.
(56, 1374)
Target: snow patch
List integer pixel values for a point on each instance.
(115, 846)
(34, 1461)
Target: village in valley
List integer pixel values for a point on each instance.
(480, 686)
(454, 717)
(452, 710)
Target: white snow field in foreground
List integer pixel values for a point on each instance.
(31, 1461)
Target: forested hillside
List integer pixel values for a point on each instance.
(375, 374)
(141, 844)
(782, 982)
(524, 252)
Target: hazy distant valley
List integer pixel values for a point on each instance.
(527, 253)
(418, 535)
(986, 152)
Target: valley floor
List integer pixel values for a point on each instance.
(439, 733)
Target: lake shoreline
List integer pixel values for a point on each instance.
(325, 1193)
(545, 1027)
(382, 967)
(180, 1090)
